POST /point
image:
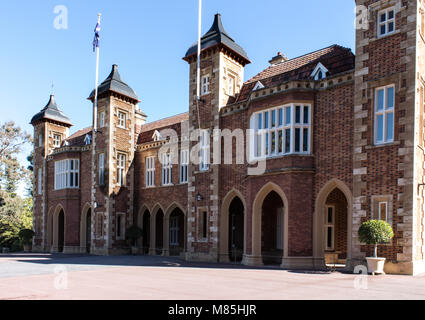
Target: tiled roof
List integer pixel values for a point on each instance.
(52, 112)
(147, 130)
(77, 139)
(335, 58)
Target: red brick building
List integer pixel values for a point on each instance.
(280, 169)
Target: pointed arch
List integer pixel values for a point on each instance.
(256, 256)
(166, 227)
(319, 216)
(224, 223)
(55, 227)
(83, 226)
(141, 213)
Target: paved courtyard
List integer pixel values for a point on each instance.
(46, 276)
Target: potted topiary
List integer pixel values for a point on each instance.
(133, 233)
(375, 232)
(26, 236)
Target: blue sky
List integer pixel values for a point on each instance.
(147, 39)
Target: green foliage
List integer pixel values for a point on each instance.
(133, 233)
(26, 235)
(375, 232)
(15, 211)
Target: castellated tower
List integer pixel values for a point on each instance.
(388, 163)
(112, 163)
(51, 128)
(222, 75)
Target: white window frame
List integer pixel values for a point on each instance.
(57, 140)
(122, 120)
(327, 225)
(231, 82)
(384, 112)
(102, 119)
(205, 84)
(265, 131)
(101, 169)
(167, 169)
(184, 166)
(386, 22)
(380, 212)
(39, 181)
(204, 150)
(120, 226)
(150, 171)
(121, 165)
(65, 171)
(174, 230)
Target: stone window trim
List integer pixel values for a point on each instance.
(57, 139)
(102, 122)
(122, 117)
(167, 169)
(202, 225)
(231, 80)
(121, 168)
(388, 24)
(67, 174)
(205, 84)
(99, 225)
(385, 112)
(150, 172)
(184, 166)
(374, 205)
(120, 226)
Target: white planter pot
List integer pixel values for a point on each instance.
(375, 265)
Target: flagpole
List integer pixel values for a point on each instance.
(96, 85)
(198, 76)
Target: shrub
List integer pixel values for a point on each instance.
(133, 233)
(26, 235)
(375, 232)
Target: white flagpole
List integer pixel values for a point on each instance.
(96, 84)
(198, 83)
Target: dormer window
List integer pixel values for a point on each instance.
(156, 136)
(319, 72)
(205, 89)
(386, 22)
(258, 86)
(87, 139)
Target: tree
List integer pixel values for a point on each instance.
(12, 139)
(375, 232)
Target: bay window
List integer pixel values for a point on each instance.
(282, 130)
(67, 174)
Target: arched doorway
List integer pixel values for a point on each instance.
(159, 232)
(335, 229)
(176, 232)
(272, 229)
(236, 230)
(61, 231)
(332, 223)
(88, 231)
(146, 226)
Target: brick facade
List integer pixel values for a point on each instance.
(343, 166)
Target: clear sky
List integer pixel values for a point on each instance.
(147, 39)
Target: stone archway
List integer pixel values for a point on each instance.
(156, 239)
(58, 229)
(174, 230)
(256, 257)
(85, 229)
(226, 225)
(143, 222)
(335, 194)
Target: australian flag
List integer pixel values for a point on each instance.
(96, 37)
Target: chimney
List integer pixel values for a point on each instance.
(278, 59)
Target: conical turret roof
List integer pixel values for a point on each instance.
(51, 112)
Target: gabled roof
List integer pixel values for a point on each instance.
(115, 84)
(216, 36)
(77, 139)
(337, 59)
(51, 112)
